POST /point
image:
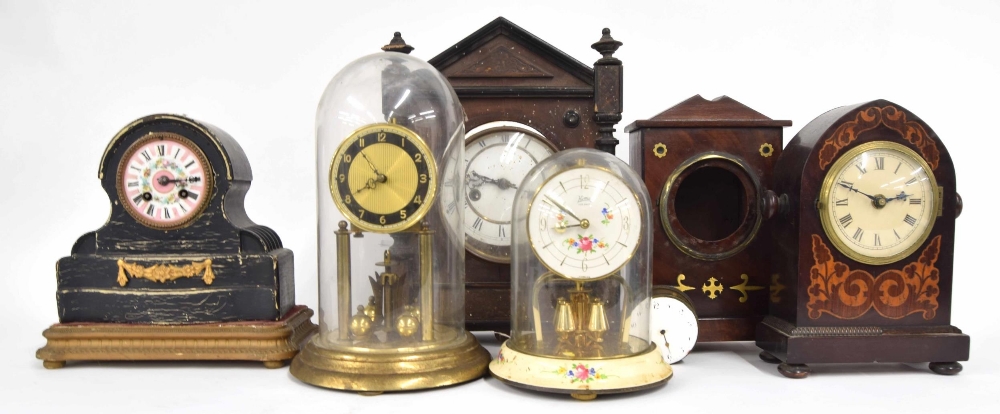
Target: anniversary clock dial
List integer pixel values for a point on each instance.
(878, 202)
(164, 180)
(583, 223)
(497, 157)
(383, 178)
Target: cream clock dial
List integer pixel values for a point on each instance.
(497, 159)
(878, 202)
(584, 223)
(673, 324)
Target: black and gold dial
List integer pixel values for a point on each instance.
(382, 178)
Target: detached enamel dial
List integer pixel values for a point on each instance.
(497, 159)
(383, 178)
(673, 326)
(584, 223)
(878, 202)
(164, 181)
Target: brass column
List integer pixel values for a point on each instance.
(426, 284)
(343, 281)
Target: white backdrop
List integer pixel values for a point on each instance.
(73, 73)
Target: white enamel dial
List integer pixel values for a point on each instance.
(673, 327)
(164, 181)
(497, 159)
(584, 223)
(878, 202)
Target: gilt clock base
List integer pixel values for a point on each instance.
(582, 379)
(794, 347)
(270, 342)
(373, 372)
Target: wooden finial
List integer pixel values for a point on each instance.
(607, 45)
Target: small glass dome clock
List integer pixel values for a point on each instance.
(389, 141)
(580, 274)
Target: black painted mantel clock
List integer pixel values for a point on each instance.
(179, 271)
(865, 253)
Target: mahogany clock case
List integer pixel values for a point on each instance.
(502, 72)
(707, 165)
(219, 267)
(829, 308)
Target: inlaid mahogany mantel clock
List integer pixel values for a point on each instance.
(524, 100)
(707, 164)
(178, 271)
(864, 254)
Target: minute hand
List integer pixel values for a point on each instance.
(851, 187)
(561, 207)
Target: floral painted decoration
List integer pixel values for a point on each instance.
(581, 373)
(584, 244)
(607, 216)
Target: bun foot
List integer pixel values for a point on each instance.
(946, 368)
(273, 364)
(767, 357)
(584, 396)
(60, 364)
(796, 371)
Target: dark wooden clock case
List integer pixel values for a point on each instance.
(823, 312)
(502, 72)
(719, 155)
(251, 275)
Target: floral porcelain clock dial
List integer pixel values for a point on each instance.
(498, 157)
(162, 180)
(583, 223)
(863, 264)
(581, 281)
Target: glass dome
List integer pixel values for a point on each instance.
(580, 274)
(389, 136)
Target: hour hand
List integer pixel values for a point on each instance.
(902, 196)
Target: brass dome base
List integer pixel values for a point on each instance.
(372, 373)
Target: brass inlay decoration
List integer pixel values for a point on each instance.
(660, 150)
(872, 117)
(776, 288)
(162, 273)
(712, 288)
(849, 294)
(743, 288)
(766, 150)
(680, 283)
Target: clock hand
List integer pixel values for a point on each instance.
(666, 344)
(561, 207)
(902, 196)
(378, 176)
(503, 183)
(370, 184)
(163, 180)
(851, 187)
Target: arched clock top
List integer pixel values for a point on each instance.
(237, 166)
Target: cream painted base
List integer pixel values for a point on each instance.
(376, 372)
(583, 379)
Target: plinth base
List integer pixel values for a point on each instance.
(377, 372)
(795, 347)
(582, 379)
(271, 342)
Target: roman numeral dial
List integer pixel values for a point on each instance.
(164, 181)
(498, 156)
(877, 202)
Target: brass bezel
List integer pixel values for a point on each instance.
(828, 181)
(664, 202)
(432, 172)
(196, 150)
(491, 252)
(534, 250)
